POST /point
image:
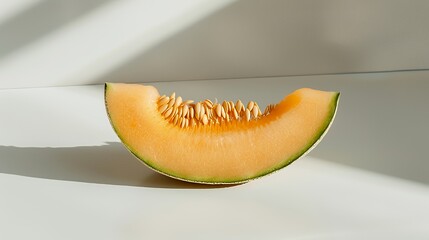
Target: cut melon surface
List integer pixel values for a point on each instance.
(228, 152)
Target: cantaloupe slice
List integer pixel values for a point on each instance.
(217, 145)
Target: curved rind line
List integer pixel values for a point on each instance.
(321, 134)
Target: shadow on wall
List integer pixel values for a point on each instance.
(107, 164)
(232, 39)
(40, 20)
(282, 38)
(381, 123)
(242, 40)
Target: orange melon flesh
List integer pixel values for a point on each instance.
(230, 153)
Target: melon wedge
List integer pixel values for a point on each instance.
(229, 152)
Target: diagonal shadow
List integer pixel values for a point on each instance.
(236, 42)
(40, 20)
(106, 164)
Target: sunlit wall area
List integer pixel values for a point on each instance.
(64, 42)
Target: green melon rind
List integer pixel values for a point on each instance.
(312, 144)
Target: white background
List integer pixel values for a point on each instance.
(65, 175)
(64, 42)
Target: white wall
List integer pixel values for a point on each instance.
(64, 42)
(382, 122)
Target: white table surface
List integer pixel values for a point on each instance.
(64, 175)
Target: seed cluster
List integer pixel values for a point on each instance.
(187, 113)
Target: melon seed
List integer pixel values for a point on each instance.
(247, 115)
(164, 101)
(178, 101)
(185, 113)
